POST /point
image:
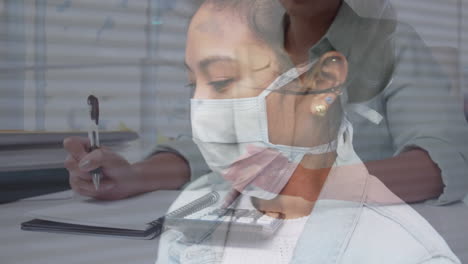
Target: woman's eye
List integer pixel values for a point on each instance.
(191, 86)
(219, 86)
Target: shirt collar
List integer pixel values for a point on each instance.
(344, 25)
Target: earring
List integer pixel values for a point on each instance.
(320, 110)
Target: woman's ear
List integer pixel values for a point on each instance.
(333, 70)
(330, 72)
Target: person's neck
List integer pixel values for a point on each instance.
(298, 197)
(303, 32)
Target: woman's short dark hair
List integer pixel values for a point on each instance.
(265, 20)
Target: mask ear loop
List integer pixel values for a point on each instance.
(337, 89)
(286, 78)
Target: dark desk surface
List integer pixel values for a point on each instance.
(22, 184)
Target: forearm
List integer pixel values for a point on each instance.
(412, 175)
(162, 171)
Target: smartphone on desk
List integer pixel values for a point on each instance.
(198, 219)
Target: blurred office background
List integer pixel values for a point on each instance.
(130, 53)
(53, 53)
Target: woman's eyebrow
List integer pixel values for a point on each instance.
(205, 63)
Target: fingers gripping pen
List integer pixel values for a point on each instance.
(93, 135)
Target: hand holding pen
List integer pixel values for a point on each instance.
(95, 170)
(98, 172)
(93, 135)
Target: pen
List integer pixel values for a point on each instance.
(93, 135)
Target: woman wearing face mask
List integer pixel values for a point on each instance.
(279, 138)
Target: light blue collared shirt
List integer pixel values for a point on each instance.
(355, 220)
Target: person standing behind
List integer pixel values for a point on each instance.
(408, 131)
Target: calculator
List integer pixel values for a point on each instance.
(200, 218)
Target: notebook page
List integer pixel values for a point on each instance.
(132, 213)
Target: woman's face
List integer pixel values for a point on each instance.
(226, 60)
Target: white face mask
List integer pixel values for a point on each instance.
(232, 135)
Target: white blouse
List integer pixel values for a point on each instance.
(254, 248)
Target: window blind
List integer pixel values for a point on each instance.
(130, 54)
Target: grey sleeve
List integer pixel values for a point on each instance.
(421, 113)
(187, 149)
